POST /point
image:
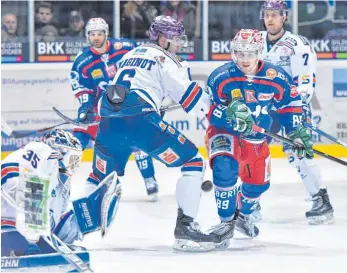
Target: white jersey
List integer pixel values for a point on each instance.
(155, 73)
(297, 57)
(39, 158)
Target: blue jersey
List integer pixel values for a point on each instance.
(92, 72)
(270, 89)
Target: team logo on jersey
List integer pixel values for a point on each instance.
(265, 96)
(101, 164)
(250, 96)
(118, 45)
(97, 73)
(293, 91)
(169, 156)
(271, 73)
(236, 94)
(111, 70)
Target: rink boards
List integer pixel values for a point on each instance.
(29, 91)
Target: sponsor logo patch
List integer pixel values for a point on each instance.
(97, 73)
(101, 164)
(250, 96)
(265, 96)
(169, 156)
(118, 46)
(271, 73)
(293, 91)
(236, 93)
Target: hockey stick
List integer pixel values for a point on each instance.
(56, 243)
(85, 125)
(293, 143)
(330, 137)
(16, 134)
(67, 253)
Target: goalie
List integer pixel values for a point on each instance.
(35, 190)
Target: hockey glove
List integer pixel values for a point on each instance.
(302, 134)
(240, 116)
(86, 113)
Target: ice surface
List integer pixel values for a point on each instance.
(141, 237)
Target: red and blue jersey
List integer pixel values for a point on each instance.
(270, 89)
(92, 71)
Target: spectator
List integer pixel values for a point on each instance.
(9, 28)
(48, 33)
(184, 12)
(44, 16)
(76, 26)
(136, 19)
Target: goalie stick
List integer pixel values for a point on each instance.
(293, 143)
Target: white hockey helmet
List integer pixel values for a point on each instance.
(67, 146)
(96, 24)
(248, 40)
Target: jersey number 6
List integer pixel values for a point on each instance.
(125, 76)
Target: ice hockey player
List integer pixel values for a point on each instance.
(35, 190)
(146, 75)
(93, 69)
(243, 92)
(297, 57)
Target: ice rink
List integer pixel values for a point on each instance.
(141, 237)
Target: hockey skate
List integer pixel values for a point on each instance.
(152, 188)
(321, 212)
(245, 225)
(189, 236)
(223, 232)
(256, 214)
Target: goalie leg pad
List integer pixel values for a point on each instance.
(100, 204)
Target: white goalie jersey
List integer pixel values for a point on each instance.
(297, 57)
(36, 159)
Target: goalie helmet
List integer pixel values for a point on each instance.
(96, 24)
(279, 5)
(68, 147)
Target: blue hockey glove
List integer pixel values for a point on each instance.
(306, 112)
(86, 113)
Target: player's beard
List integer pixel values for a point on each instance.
(98, 44)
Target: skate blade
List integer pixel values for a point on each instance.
(249, 235)
(222, 246)
(256, 216)
(153, 197)
(325, 219)
(191, 246)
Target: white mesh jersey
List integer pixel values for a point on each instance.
(297, 57)
(39, 158)
(154, 73)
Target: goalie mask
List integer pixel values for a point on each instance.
(68, 147)
(246, 49)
